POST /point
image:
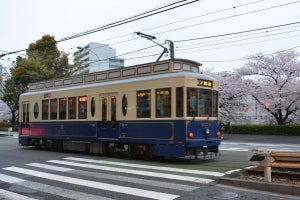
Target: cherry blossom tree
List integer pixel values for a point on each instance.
(231, 96)
(274, 82)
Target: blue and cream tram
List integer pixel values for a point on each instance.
(165, 108)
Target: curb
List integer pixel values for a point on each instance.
(262, 186)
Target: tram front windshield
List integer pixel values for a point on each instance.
(202, 102)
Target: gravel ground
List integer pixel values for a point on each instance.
(279, 175)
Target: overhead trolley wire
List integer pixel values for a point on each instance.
(211, 21)
(149, 13)
(142, 15)
(224, 18)
(186, 19)
(239, 32)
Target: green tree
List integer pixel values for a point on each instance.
(43, 62)
(49, 58)
(11, 93)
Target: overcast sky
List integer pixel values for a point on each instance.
(24, 21)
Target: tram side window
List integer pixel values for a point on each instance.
(36, 110)
(45, 109)
(163, 102)
(144, 104)
(192, 102)
(72, 108)
(53, 109)
(215, 103)
(205, 101)
(179, 102)
(104, 112)
(62, 108)
(82, 107)
(113, 111)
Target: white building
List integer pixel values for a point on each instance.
(97, 57)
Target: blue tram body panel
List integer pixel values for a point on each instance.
(169, 138)
(154, 130)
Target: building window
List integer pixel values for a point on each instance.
(45, 109)
(62, 108)
(82, 107)
(144, 104)
(72, 108)
(163, 102)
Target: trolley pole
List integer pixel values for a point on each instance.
(151, 38)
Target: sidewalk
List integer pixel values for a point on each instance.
(262, 138)
(6, 133)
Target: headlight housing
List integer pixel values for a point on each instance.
(207, 131)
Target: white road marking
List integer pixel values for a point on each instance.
(160, 184)
(94, 184)
(50, 167)
(44, 188)
(71, 194)
(232, 171)
(233, 149)
(171, 169)
(132, 171)
(10, 179)
(7, 195)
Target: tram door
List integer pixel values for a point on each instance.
(25, 127)
(108, 116)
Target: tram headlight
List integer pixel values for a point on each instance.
(207, 131)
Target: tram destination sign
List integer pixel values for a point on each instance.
(205, 83)
(47, 95)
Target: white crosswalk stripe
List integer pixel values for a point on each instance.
(99, 175)
(210, 173)
(160, 184)
(44, 188)
(137, 172)
(94, 184)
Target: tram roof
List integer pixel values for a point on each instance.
(142, 70)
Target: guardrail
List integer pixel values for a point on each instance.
(268, 159)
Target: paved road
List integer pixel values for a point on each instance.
(262, 142)
(26, 173)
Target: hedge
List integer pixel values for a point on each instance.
(5, 125)
(266, 129)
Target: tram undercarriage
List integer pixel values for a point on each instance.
(118, 149)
